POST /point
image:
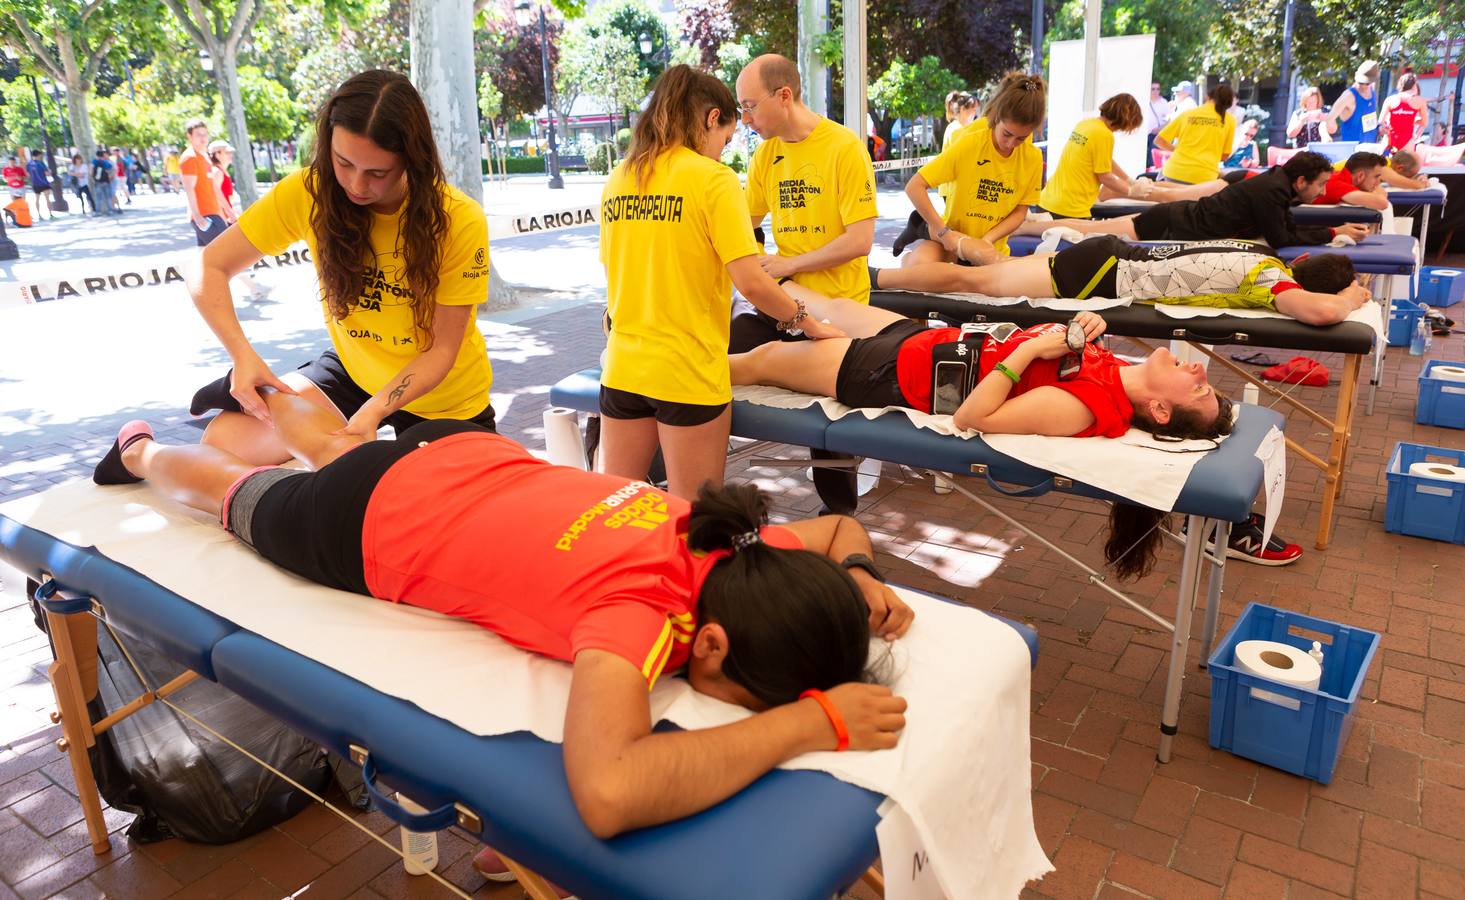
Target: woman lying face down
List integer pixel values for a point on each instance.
(620, 579)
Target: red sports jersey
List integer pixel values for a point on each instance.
(1339, 186)
(552, 559)
(1097, 383)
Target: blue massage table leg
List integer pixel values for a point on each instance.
(1195, 542)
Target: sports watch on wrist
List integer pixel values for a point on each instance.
(861, 561)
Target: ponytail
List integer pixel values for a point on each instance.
(1021, 99)
(794, 619)
(676, 116)
(1134, 531)
(1223, 97)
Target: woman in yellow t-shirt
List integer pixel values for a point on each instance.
(1199, 138)
(962, 109)
(674, 239)
(402, 259)
(1087, 164)
(995, 173)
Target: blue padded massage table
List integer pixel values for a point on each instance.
(1219, 491)
(1327, 215)
(791, 834)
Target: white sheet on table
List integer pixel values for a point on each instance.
(968, 711)
(1109, 464)
(1370, 314)
(1060, 303)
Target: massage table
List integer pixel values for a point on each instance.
(1219, 491)
(1307, 214)
(1140, 322)
(791, 834)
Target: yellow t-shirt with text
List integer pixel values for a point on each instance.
(377, 338)
(1074, 187)
(953, 128)
(1201, 139)
(665, 249)
(815, 188)
(988, 186)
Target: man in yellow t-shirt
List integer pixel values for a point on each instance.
(1201, 138)
(995, 182)
(816, 179)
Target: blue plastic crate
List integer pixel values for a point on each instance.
(1421, 506)
(1441, 401)
(1441, 287)
(1403, 314)
(1305, 741)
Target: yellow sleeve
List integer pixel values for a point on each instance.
(1031, 175)
(943, 168)
(1228, 136)
(728, 217)
(1172, 128)
(463, 274)
(1103, 150)
(757, 175)
(281, 217)
(856, 185)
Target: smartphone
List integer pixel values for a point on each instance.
(948, 388)
(1076, 337)
(997, 331)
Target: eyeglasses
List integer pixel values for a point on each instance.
(746, 108)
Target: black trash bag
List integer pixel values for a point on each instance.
(180, 780)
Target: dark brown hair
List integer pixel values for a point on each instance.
(1122, 113)
(1134, 531)
(385, 108)
(1222, 97)
(676, 116)
(1021, 99)
(1325, 273)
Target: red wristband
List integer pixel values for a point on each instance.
(841, 732)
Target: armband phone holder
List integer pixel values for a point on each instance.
(955, 365)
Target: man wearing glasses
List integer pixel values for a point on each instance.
(816, 180)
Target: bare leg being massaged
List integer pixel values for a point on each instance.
(455, 518)
(1031, 382)
(1319, 289)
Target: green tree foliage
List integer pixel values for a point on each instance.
(908, 90)
(511, 53)
(18, 116)
(631, 19)
(705, 25)
(605, 67)
(1182, 30)
(340, 49)
(269, 110)
(119, 122)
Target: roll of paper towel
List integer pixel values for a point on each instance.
(1282, 663)
(562, 441)
(1448, 373)
(1438, 471)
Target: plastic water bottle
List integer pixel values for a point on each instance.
(1419, 341)
(419, 848)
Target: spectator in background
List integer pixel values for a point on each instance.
(14, 175)
(40, 179)
(103, 184)
(1309, 124)
(220, 157)
(1200, 139)
(1156, 115)
(172, 175)
(1406, 114)
(1245, 155)
(119, 178)
(130, 170)
(76, 173)
(1183, 98)
(205, 203)
(1355, 114)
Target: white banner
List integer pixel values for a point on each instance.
(550, 220)
(887, 165)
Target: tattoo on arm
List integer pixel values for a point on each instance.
(398, 391)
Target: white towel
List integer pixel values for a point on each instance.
(1370, 314)
(961, 771)
(1059, 303)
(1105, 463)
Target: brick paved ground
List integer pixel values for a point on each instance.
(1116, 824)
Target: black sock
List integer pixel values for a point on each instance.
(214, 395)
(111, 470)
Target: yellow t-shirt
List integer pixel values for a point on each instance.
(378, 338)
(170, 164)
(1074, 187)
(953, 128)
(665, 251)
(1201, 140)
(988, 186)
(815, 188)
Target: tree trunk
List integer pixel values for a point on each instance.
(441, 35)
(76, 91)
(226, 77)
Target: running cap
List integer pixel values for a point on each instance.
(1367, 73)
(1184, 86)
(216, 146)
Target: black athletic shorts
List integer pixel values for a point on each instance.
(1154, 223)
(310, 523)
(1088, 268)
(329, 374)
(616, 404)
(867, 375)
